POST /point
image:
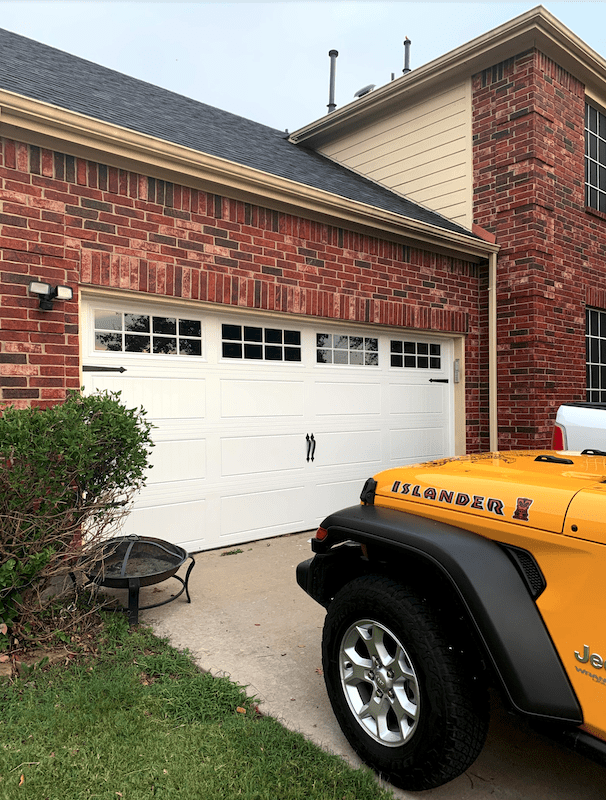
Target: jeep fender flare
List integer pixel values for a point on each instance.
(497, 601)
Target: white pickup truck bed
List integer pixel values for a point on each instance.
(579, 426)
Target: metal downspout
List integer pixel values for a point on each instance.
(492, 353)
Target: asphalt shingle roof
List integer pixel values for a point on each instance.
(44, 73)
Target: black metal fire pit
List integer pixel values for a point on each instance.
(130, 562)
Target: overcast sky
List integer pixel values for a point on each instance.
(269, 61)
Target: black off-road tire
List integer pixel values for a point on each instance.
(410, 703)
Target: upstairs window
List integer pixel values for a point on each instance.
(595, 158)
(595, 342)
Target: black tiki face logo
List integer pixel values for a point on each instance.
(521, 512)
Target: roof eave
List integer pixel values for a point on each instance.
(44, 125)
(536, 28)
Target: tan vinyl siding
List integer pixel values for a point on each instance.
(422, 152)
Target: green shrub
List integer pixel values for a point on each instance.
(67, 474)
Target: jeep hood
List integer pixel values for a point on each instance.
(530, 488)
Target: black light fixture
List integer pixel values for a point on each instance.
(48, 294)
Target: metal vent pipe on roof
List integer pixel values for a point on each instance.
(406, 56)
(333, 71)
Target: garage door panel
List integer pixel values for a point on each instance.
(347, 447)
(263, 513)
(418, 399)
(174, 522)
(162, 398)
(178, 460)
(349, 398)
(251, 455)
(266, 398)
(328, 497)
(168, 430)
(419, 444)
(187, 491)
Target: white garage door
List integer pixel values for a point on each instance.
(264, 425)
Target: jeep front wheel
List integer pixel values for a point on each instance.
(403, 693)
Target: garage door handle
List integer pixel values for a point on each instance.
(438, 380)
(308, 440)
(313, 447)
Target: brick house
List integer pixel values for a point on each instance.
(297, 312)
(507, 132)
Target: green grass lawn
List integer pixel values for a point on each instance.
(137, 719)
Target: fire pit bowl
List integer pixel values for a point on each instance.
(129, 562)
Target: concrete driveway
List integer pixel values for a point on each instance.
(249, 620)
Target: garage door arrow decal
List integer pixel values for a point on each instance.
(87, 368)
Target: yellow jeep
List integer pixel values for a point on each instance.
(454, 575)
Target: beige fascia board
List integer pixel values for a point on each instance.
(45, 125)
(536, 28)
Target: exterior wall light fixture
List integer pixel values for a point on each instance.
(48, 294)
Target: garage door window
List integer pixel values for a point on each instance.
(260, 344)
(336, 348)
(416, 355)
(119, 331)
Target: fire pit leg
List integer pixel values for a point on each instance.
(133, 601)
(186, 582)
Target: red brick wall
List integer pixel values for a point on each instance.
(65, 220)
(528, 133)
